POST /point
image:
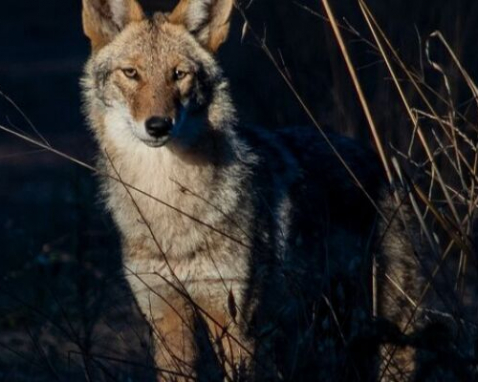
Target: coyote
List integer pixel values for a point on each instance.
(248, 250)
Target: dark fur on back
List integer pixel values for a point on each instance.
(310, 270)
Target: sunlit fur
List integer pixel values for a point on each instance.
(250, 226)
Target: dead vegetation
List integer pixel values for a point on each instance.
(83, 333)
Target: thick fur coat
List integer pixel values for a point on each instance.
(249, 252)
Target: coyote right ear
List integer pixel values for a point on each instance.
(104, 19)
(207, 20)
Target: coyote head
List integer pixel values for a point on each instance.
(149, 77)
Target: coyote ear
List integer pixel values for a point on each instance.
(207, 20)
(104, 19)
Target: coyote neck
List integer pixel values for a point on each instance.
(202, 182)
(159, 173)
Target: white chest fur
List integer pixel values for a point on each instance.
(165, 220)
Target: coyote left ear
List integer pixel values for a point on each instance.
(207, 20)
(104, 19)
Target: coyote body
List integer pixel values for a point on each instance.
(237, 242)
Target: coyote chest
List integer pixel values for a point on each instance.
(159, 207)
(166, 226)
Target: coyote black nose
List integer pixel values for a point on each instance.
(159, 127)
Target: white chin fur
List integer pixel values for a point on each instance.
(160, 142)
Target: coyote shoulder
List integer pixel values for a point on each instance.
(248, 251)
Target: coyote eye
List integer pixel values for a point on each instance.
(131, 73)
(179, 74)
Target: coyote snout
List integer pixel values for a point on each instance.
(159, 129)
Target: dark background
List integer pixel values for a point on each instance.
(62, 302)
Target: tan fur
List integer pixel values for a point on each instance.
(218, 26)
(211, 224)
(100, 32)
(172, 332)
(175, 259)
